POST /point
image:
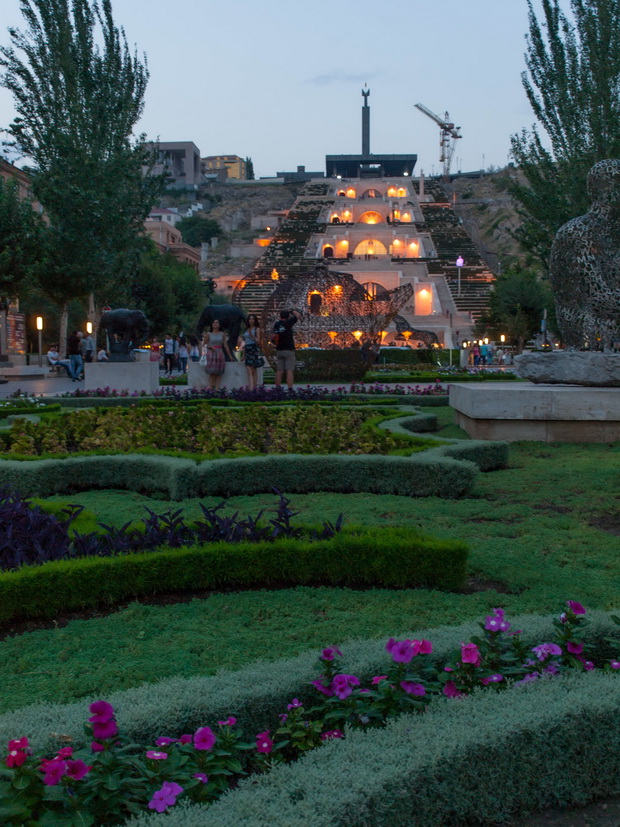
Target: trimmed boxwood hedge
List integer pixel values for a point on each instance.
(478, 760)
(257, 693)
(356, 557)
(421, 475)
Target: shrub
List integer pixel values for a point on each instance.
(329, 365)
(392, 557)
(476, 761)
(421, 475)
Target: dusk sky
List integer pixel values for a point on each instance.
(280, 80)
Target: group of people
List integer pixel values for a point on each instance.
(80, 349)
(215, 345)
(175, 351)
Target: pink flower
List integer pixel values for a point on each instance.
(576, 608)
(105, 730)
(492, 679)
(19, 743)
(496, 622)
(378, 679)
(65, 752)
(264, 743)
(156, 756)
(324, 690)
(228, 722)
(16, 758)
(615, 664)
(164, 741)
(97, 747)
(413, 688)
(588, 665)
(470, 654)
(331, 734)
(54, 771)
(402, 651)
(77, 770)
(185, 739)
(102, 712)
(424, 647)
(201, 777)
(165, 797)
(450, 690)
(283, 717)
(330, 653)
(294, 704)
(342, 685)
(574, 648)
(546, 650)
(204, 738)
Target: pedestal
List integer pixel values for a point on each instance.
(235, 376)
(514, 411)
(134, 377)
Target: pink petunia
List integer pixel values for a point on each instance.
(201, 777)
(574, 648)
(294, 704)
(77, 770)
(332, 734)
(470, 654)
(164, 741)
(497, 678)
(102, 712)
(330, 653)
(546, 650)
(377, 679)
(53, 771)
(105, 730)
(185, 739)
(413, 688)
(16, 758)
(165, 797)
(204, 738)
(576, 608)
(450, 690)
(264, 742)
(228, 722)
(156, 756)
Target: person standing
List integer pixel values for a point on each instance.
(213, 348)
(74, 352)
(182, 354)
(88, 348)
(249, 342)
(285, 347)
(168, 355)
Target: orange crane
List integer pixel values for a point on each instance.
(448, 136)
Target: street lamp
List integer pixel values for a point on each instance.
(40, 332)
(459, 265)
(89, 327)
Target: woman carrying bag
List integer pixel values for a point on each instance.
(249, 344)
(213, 354)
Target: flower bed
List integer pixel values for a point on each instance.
(201, 765)
(202, 430)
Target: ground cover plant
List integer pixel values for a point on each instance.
(534, 530)
(201, 430)
(204, 764)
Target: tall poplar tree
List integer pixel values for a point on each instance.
(77, 105)
(573, 85)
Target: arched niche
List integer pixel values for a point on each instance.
(315, 300)
(371, 193)
(375, 290)
(370, 247)
(328, 251)
(370, 217)
(402, 192)
(351, 193)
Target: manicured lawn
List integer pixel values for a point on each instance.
(540, 532)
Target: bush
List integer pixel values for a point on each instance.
(475, 761)
(259, 691)
(425, 474)
(356, 557)
(329, 365)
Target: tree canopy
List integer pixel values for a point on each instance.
(573, 85)
(196, 228)
(77, 104)
(21, 241)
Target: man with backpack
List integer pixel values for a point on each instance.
(284, 341)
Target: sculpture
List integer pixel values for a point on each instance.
(126, 329)
(585, 266)
(230, 318)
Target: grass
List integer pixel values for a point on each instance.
(540, 532)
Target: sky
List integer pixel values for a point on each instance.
(280, 80)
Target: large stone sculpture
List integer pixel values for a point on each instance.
(585, 266)
(126, 329)
(230, 318)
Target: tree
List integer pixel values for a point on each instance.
(77, 104)
(249, 169)
(168, 292)
(196, 228)
(21, 241)
(516, 306)
(573, 86)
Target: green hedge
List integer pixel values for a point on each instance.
(421, 475)
(257, 693)
(360, 557)
(442, 378)
(479, 761)
(329, 365)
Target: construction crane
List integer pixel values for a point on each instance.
(448, 136)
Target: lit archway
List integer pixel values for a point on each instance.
(370, 247)
(402, 192)
(375, 290)
(341, 192)
(350, 193)
(328, 251)
(315, 300)
(371, 193)
(370, 217)
(391, 192)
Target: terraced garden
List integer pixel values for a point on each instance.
(540, 531)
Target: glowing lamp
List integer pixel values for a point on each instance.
(486, 341)
(89, 327)
(357, 334)
(39, 322)
(337, 288)
(274, 274)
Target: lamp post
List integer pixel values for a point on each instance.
(459, 265)
(40, 332)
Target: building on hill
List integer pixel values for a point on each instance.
(180, 162)
(300, 175)
(232, 165)
(394, 235)
(169, 240)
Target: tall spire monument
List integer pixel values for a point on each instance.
(365, 122)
